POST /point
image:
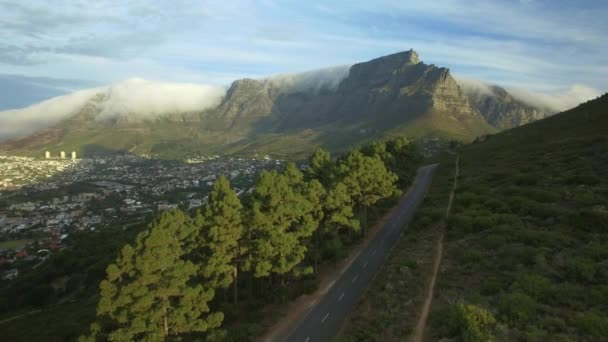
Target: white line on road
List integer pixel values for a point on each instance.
(341, 296)
(365, 265)
(374, 252)
(324, 318)
(355, 278)
(307, 339)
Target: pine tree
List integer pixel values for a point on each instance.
(220, 236)
(366, 179)
(148, 294)
(321, 167)
(282, 218)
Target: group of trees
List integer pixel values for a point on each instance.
(165, 284)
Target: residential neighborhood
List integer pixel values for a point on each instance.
(43, 201)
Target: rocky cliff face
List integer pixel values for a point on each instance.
(502, 110)
(383, 93)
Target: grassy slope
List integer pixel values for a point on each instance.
(528, 239)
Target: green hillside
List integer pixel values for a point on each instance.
(526, 245)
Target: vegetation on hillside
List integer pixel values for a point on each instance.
(525, 252)
(528, 235)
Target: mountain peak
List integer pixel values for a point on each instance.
(398, 59)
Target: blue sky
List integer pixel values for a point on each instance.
(51, 47)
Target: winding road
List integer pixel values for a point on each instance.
(325, 319)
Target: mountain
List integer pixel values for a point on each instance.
(501, 109)
(336, 108)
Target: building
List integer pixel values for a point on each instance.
(73, 155)
(62, 154)
(47, 155)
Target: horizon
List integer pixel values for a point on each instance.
(55, 50)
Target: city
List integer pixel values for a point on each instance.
(43, 200)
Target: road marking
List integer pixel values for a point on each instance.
(365, 265)
(355, 278)
(341, 296)
(324, 318)
(374, 252)
(307, 339)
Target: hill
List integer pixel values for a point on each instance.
(525, 246)
(287, 114)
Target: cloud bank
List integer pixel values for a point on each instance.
(559, 100)
(18, 122)
(143, 98)
(312, 81)
(555, 101)
(135, 98)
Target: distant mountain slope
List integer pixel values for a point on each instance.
(287, 114)
(501, 109)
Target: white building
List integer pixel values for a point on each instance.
(47, 155)
(73, 155)
(62, 154)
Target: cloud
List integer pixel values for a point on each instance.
(560, 100)
(144, 98)
(473, 86)
(312, 81)
(18, 122)
(555, 101)
(135, 98)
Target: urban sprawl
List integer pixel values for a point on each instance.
(42, 201)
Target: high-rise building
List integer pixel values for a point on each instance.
(62, 154)
(47, 155)
(73, 155)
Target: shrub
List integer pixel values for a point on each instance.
(517, 307)
(471, 323)
(536, 286)
(491, 286)
(591, 323)
(476, 324)
(579, 269)
(589, 221)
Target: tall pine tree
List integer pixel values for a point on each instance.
(149, 294)
(281, 219)
(366, 179)
(220, 236)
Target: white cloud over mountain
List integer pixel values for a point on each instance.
(559, 100)
(134, 96)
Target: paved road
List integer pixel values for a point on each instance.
(325, 319)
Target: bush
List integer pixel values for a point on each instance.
(476, 324)
(589, 221)
(469, 322)
(536, 286)
(491, 286)
(579, 269)
(593, 324)
(517, 307)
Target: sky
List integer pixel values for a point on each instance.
(48, 48)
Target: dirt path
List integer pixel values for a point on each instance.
(426, 307)
(328, 274)
(20, 316)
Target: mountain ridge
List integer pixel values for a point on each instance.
(389, 95)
